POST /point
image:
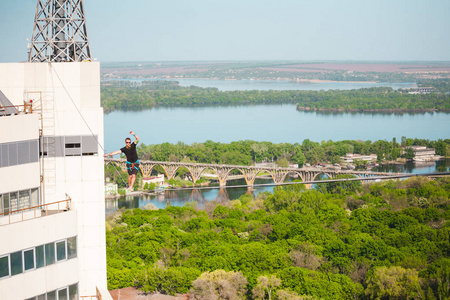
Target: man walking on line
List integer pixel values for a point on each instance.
(132, 159)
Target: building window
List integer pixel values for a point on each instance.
(61, 250)
(40, 259)
(62, 294)
(73, 291)
(72, 247)
(51, 295)
(28, 259)
(19, 200)
(5, 200)
(34, 198)
(4, 266)
(66, 293)
(49, 254)
(13, 201)
(16, 263)
(73, 145)
(24, 199)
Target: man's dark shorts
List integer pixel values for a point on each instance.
(133, 169)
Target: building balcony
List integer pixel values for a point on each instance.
(34, 212)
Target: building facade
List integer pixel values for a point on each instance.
(52, 210)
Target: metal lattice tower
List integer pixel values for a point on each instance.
(59, 33)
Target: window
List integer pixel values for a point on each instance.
(19, 200)
(66, 293)
(34, 201)
(73, 292)
(49, 254)
(5, 199)
(62, 294)
(16, 263)
(38, 257)
(28, 259)
(51, 295)
(72, 247)
(40, 261)
(13, 201)
(24, 199)
(4, 266)
(61, 250)
(73, 145)
(40, 297)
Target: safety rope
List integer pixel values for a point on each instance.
(79, 112)
(115, 169)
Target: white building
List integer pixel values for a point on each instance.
(157, 180)
(111, 189)
(52, 160)
(350, 157)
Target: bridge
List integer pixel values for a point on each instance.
(223, 172)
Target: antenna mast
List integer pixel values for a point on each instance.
(59, 33)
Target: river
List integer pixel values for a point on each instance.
(274, 123)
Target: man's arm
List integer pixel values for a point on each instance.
(113, 153)
(135, 136)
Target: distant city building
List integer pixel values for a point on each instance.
(350, 157)
(111, 189)
(158, 180)
(422, 153)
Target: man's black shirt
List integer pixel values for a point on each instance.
(130, 153)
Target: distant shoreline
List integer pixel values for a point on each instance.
(331, 81)
(302, 108)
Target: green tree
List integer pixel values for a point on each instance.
(219, 284)
(395, 283)
(265, 286)
(409, 153)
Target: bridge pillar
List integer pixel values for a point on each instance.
(249, 175)
(196, 173)
(170, 170)
(278, 176)
(308, 186)
(222, 174)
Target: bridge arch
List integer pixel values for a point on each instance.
(329, 175)
(196, 172)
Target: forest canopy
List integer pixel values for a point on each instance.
(121, 95)
(383, 240)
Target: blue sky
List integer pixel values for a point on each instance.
(168, 30)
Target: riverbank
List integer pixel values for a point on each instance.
(305, 108)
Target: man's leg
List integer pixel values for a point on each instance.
(129, 182)
(133, 179)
